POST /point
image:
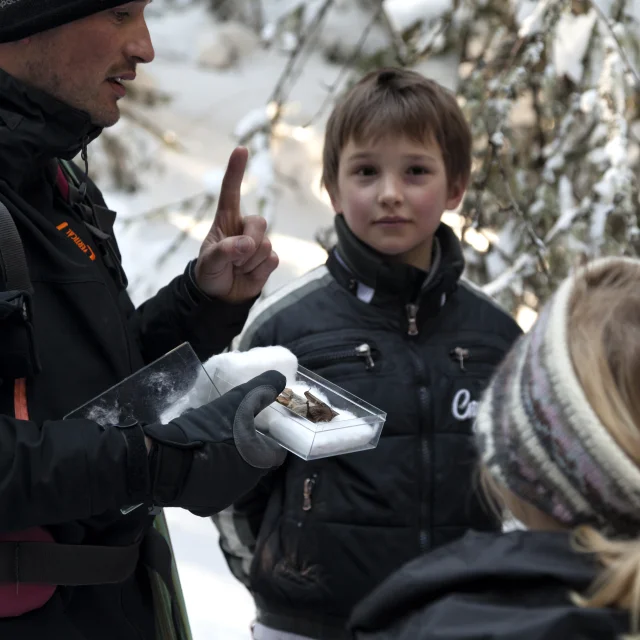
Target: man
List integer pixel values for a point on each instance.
(72, 566)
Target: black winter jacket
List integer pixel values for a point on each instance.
(514, 586)
(316, 537)
(72, 476)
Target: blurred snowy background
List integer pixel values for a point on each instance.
(551, 90)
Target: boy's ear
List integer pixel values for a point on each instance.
(335, 200)
(456, 192)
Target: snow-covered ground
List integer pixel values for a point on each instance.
(219, 607)
(205, 110)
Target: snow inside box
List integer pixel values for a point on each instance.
(357, 426)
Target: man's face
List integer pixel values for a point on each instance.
(82, 63)
(393, 193)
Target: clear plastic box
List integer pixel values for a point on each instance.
(176, 382)
(357, 427)
(159, 392)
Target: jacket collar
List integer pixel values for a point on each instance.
(375, 279)
(36, 128)
(480, 563)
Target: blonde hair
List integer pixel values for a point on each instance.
(604, 346)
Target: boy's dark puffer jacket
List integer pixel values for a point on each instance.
(323, 534)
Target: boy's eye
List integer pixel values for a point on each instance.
(365, 171)
(418, 171)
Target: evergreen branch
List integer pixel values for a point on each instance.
(524, 265)
(619, 46)
(538, 243)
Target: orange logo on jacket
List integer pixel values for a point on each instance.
(75, 238)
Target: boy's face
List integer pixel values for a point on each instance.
(392, 193)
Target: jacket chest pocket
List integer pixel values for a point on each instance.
(341, 356)
(469, 371)
(467, 361)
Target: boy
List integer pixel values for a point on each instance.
(389, 319)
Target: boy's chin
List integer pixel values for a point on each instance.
(419, 257)
(399, 250)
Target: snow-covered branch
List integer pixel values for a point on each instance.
(551, 97)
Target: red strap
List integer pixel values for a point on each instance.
(20, 408)
(63, 183)
(17, 599)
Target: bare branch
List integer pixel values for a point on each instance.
(182, 237)
(278, 96)
(168, 138)
(395, 38)
(258, 15)
(159, 213)
(346, 66)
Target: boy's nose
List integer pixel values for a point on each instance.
(390, 193)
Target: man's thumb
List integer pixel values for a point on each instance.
(258, 450)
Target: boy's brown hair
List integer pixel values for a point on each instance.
(395, 101)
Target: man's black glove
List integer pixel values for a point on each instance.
(208, 457)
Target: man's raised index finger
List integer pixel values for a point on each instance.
(228, 217)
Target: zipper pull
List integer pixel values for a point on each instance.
(309, 483)
(412, 317)
(460, 354)
(364, 351)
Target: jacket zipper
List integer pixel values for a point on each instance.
(426, 498)
(307, 492)
(460, 354)
(362, 351)
(424, 401)
(412, 319)
(307, 504)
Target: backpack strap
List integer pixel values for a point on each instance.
(13, 261)
(20, 356)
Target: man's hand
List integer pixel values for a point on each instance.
(208, 457)
(235, 258)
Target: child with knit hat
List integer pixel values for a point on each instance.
(558, 431)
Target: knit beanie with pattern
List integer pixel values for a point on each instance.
(539, 437)
(22, 18)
